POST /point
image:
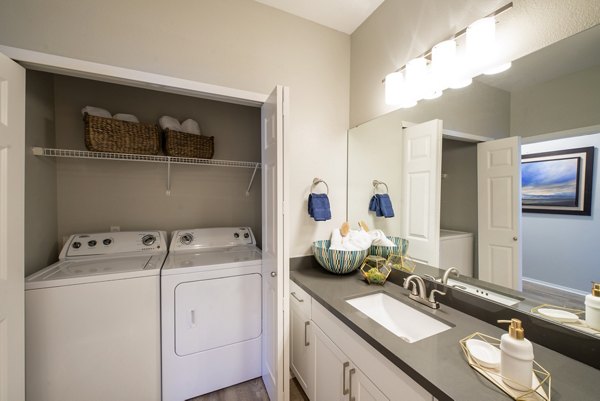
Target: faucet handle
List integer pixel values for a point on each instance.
(432, 295)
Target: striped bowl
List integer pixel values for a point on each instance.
(384, 251)
(338, 262)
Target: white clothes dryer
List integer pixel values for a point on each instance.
(211, 292)
(92, 320)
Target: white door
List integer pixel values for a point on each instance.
(12, 193)
(499, 204)
(421, 187)
(275, 252)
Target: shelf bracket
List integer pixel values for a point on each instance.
(252, 180)
(168, 192)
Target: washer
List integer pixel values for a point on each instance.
(92, 320)
(211, 290)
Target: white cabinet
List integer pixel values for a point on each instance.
(302, 345)
(330, 370)
(336, 377)
(332, 363)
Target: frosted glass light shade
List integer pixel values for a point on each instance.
(397, 92)
(416, 77)
(393, 88)
(481, 42)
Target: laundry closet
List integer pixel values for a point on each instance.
(77, 195)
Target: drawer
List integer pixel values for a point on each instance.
(300, 299)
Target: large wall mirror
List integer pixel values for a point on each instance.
(428, 158)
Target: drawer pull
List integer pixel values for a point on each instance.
(352, 371)
(345, 390)
(296, 296)
(306, 342)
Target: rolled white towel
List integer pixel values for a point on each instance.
(191, 126)
(96, 111)
(167, 122)
(379, 238)
(126, 117)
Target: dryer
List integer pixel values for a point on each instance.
(92, 320)
(211, 296)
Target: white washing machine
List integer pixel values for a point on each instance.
(211, 311)
(92, 320)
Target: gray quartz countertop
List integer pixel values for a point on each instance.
(437, 363)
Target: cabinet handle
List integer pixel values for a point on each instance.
(306, 342)
(296, 296)
(345, 390)
(352, 371)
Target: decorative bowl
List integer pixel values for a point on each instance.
(338, 262)
(384, 251)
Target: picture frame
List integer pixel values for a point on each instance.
(558, 182)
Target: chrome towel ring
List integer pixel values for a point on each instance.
(317, 181)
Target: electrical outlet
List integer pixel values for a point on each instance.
(114, 229)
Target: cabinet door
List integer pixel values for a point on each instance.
(331, 369)
(302, 348)
(362, 388)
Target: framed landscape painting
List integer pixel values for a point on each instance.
(558, 182)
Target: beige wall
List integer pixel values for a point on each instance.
(235, 43)
(399, 30)
(41, 245)
(571, 101)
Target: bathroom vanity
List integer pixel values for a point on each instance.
(336, 349)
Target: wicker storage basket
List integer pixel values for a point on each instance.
(116, 136)
(182, 144)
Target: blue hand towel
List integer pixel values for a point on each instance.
(318, 207)
(381, 204)
(385, 206)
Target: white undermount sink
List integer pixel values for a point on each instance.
(483, 293)
(404, 321)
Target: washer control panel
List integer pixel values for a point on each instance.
(208, 238)
(114, 242)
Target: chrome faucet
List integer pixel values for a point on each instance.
(447, 274)
(418, 291)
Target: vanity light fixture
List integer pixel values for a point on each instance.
(443, 67)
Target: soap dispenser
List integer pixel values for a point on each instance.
(592, 307)
(516, 357)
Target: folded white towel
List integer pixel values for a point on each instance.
(336, 240)
(95, 111)
(126, 117)
(191, 126)
(167, 122)
(379, 238)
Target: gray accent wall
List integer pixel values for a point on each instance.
(558, 248)
(95, 195)
(41, 226)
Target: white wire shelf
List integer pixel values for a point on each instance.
(168, 160)
(85, 154)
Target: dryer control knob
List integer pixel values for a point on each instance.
(186, 238)
(76, 245)
(246, 235)
(107, 241)
(236, 235)
(92, 243)
(148, 239)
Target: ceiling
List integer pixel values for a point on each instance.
(341, 15)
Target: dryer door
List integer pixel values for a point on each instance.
(218, 312)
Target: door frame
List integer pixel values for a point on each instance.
(51, 63)
(46, 62)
